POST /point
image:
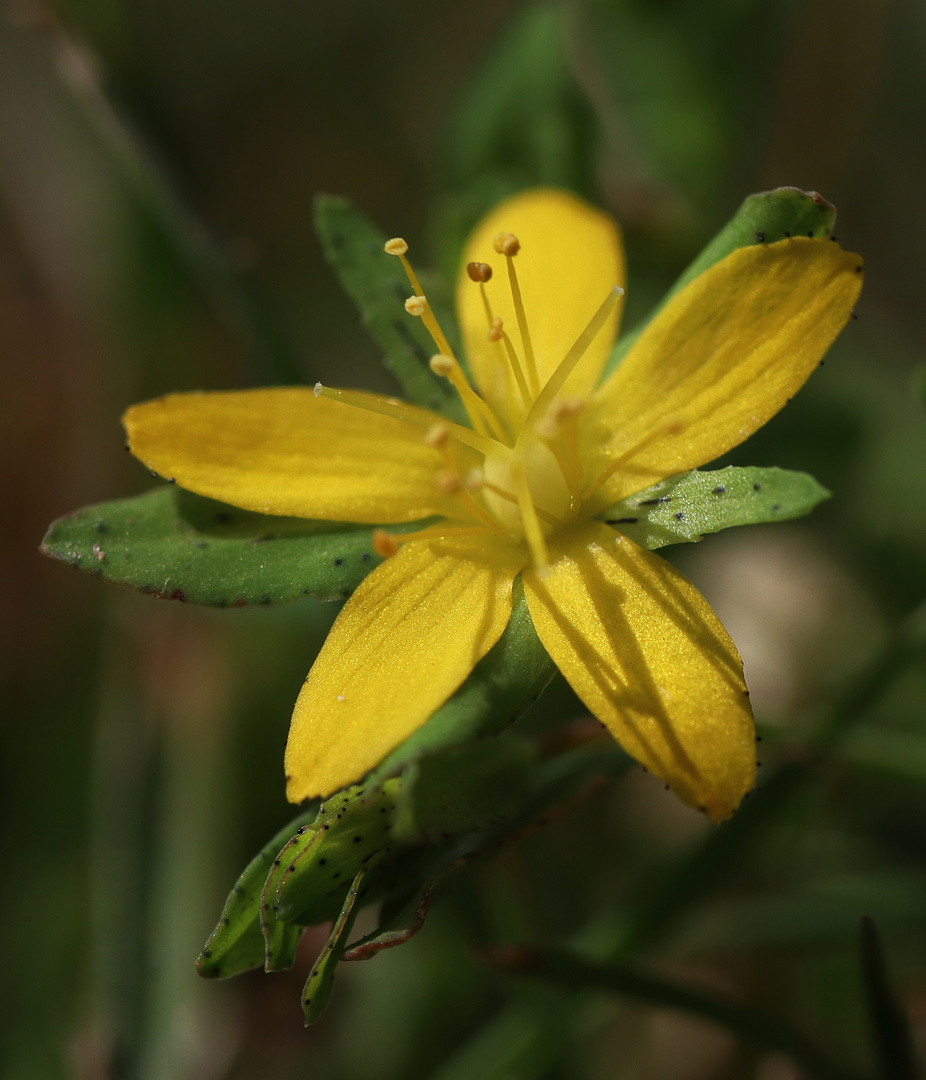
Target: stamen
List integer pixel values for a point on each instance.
(398, 247)
(481, 416)
(384, 544)
(479, 271)
(532, 531)
(416, 305)
(496, 329)
(497, 333)
(575, 354)
(398, 410)
(507, 244)
(449, 482)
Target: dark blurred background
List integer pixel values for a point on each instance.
(158, 162)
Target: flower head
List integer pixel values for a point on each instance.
(525, 487)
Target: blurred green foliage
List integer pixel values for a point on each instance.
(156, 181)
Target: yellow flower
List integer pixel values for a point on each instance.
(525, 490)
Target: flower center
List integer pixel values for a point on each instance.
(531, 481)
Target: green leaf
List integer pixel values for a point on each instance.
(281, 939)
(318, 987)
(351, 827)
(237, 944)
(180, 546)
(502, 685)
(889, 1024)
(686, 507)
(763, 218)
(463, 789)
(377, 285)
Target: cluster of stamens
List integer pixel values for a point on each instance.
(531, 481)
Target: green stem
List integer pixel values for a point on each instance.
(573, 973)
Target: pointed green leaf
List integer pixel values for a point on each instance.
(503, 684)
(763, 218)
(237, 944)
(351, 827)
(281, 939)
(688, 506)
(377, 285)
(180, 546)
(318, 987)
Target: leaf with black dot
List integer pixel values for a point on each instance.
(352, 826)
(377, 285)
(686, 507)
(764, 218)
(237, 943)
(176, 545)
(318, 987)
(281, 939)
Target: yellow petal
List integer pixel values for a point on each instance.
(402, 644)
(286, 451)
(721, 358)
(645, 652)
(571, 257)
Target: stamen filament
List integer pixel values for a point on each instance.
(398, 410)
(398, 247)
(526, 344)
(515, 363)
(424, 312)
(529, 520)
(437, 438)
(567, 364)
(477, 409)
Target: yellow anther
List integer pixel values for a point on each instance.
(384, 544)
(506, 243)
(416, 305)
(436, 437)
(441, 365)
(396, 246)
(447, 483)
(479, 271)
(496, 330)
